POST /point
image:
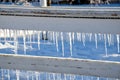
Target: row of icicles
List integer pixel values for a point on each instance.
(29, 35)
(7, 74)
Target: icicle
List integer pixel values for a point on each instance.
(83, 38)
(109, 39)
(17, 75)
(98, 78)
(58, 76)
(53, 74)
(96, 40)
(56, 36)
(8, 31)
(30, 38)
(62, 43)
(27, 37)
(8, 74)
(53, 36)
(2, 74)
(79, 36)
(44, 35)
(118, 43)
(105, 40)
(15, 42)
(32, 76)
(5, 35)
(11, 34)
(50, 35)
(33, 36)
(49, 76)
(82, 77)
(72, 77)
(36, 73)
(39, 39)
(0, 35)
(73, 36)
(100, 36)
(70, 39)
(90, 37)
(65, 76)
(24, 41)
(27, 75)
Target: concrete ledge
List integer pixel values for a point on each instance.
(107, 69)
(104, 26)
(67, 12)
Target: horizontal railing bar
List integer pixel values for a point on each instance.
(109, 69)
(61, 24)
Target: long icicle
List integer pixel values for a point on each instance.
(105, 42)
(70, 39)
(17, 75)
(109, 37)
(53, 36)
(73, 36)
(56, 38)
(24, 41)
(96, 40)
(83, 38)
(8, 74)
(39, 40)
(62, 43)
(90, 37)
(118, 42)
(2, 74)
(15, 41)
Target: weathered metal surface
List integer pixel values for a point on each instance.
(61, 65)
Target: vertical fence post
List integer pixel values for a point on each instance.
(43, 3)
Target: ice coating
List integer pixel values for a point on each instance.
(60, 44)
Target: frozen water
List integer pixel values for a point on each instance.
(39, 39)
(96, 46)
(62, 43)
(118, 43)
(70, 40)
(56, 36)
(33, 75)
(17, 75)
(96, 40)
(105, 45)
